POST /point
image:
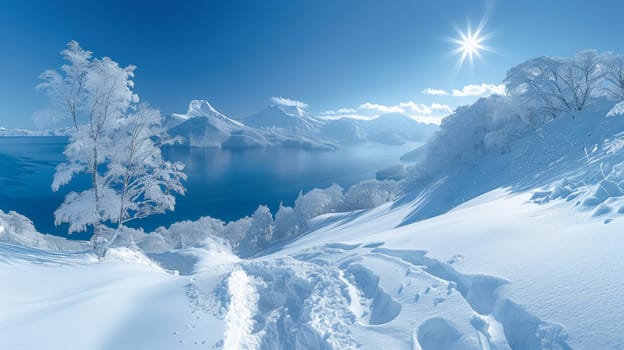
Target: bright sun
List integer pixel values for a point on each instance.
(470, 44)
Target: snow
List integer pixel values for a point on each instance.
(352, 280)
(508, 236)
(617, 110)
(204, 126)
(241, 310)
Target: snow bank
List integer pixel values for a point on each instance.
(18, 229)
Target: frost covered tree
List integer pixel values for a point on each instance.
(113, 142)
(143, 181)
(291, 221)
(556, 85)
(614, 76)
(369, 194)
(259, 233)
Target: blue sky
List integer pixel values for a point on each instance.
(331, 54)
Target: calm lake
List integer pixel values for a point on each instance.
(225, 184)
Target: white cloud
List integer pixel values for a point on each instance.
(381, 108)
(436, 92)
(483, 89)
(283, 101)
(441, 108)
(350, 116)
(424, 109)
(339, 111)
(427, 119)
(430, 114)
(479, 90)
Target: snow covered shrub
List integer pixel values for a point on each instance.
(612, 185)
(465, 136)
(18, 229)
(287, 223)
(290, 221)
(369, 194)
(235, 231)
(319, 201)
(259, 233)
(183, 234)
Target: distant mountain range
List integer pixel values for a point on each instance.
(289, 126)
(23, 132)
(275, 126)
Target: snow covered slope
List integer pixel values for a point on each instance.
(464, 280)
(66, 301)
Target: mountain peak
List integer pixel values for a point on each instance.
(201, 108)
(291, 111)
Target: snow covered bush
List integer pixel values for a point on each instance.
(369, 194)
(18, 229)
(290, 221)
(259, 232)
(472, 131)
(185, 234)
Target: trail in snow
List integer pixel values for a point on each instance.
(341, 296)
(241, 310)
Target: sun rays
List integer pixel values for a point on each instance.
(470, 43)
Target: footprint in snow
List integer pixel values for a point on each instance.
(455, 259)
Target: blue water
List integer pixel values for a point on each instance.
(225, 184)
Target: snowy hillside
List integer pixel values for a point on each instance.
(464, 280)
(507, 234)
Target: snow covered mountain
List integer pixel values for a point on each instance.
(288, 126)
(276, 126)
(392, 129)
(291, 119)
(204, 126)
(396, 128)
(344, 131)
